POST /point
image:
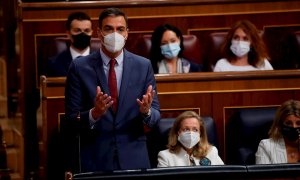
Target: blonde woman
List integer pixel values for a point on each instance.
(283, 143)
(188, 144)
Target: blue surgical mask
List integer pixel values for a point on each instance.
(170, 50)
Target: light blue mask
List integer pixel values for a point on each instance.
(170, 50)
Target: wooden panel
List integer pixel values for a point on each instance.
(209, 94)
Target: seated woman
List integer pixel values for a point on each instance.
(283, 144)
(188, 144)
(166, 52)
(243, 50)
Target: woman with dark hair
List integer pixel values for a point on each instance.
(283, 145)
(166, 51)
(243, 50)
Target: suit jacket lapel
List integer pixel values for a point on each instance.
(68, 58)
(98, 67)
(127, 65)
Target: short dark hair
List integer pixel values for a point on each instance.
(112, 12)
(78, 16)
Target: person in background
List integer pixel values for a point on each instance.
(166, 51)
(283, 145)
(111, 98)
(243, 50)
(79, 31)
(188, 144)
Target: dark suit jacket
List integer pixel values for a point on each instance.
(195, 67)
(118, 134)
(59, 65)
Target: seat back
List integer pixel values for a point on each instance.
(158, 137)
(289, 51)
(215, 42)
(192, 48)
(244, 131)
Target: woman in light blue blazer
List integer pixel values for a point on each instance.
(188, 144)
(283, 145)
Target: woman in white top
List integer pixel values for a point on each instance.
(188, 144)
(166, 52)
(243, 50)
(283, 144)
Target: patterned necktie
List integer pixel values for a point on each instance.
(112, 84)
(192, 161)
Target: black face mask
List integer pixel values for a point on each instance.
(290, 133)
(81, 41)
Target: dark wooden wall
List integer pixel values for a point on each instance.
(39, 23)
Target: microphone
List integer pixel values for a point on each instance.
(79, 146)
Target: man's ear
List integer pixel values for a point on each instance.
(69, 35)
(99, 32)
(127, 34)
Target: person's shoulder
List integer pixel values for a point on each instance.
(66, 54)
(267, 64)
(194, 67)
(187, 61)
(266, 141)
(222, 61)
(213, 149)
(93, 56)
(131, 54)
(164, 152)
(221, 65)
(136, 57)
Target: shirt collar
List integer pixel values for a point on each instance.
(106, 59)
(75, 54)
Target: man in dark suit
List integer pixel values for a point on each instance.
(111, 125)
(79, 31)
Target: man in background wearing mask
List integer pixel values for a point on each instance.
(79, 31)
(111, 97)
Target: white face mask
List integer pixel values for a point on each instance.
(114, 42)
(189, 139)
(240, 48)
